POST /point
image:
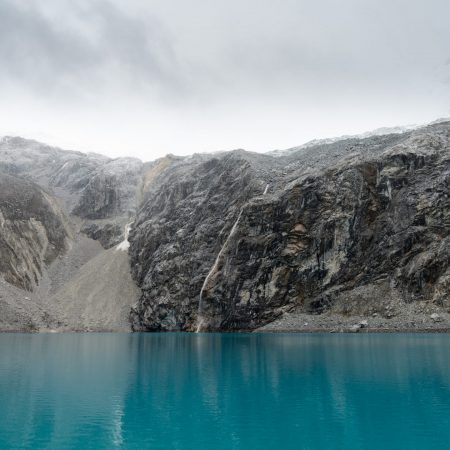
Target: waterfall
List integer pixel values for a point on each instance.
(213, 270)
(214, 267)
(389, 189)
(125, 244)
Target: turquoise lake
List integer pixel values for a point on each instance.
(225, 391)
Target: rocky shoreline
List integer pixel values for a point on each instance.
(336, 323)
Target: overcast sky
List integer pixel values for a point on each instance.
(150, 77)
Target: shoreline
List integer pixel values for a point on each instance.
(362, 331)
(412, 318)
(443, 330)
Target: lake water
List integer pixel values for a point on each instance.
(225, 391)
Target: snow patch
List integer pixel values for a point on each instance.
(125, 244)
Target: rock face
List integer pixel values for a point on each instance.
(383, 221)
(354, 228)
(110, 190)
(32, 231)
(342, 227)
(180, 230)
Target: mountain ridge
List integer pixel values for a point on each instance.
(238, 240)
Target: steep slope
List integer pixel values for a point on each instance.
(33, 233)
(98, 297)
(19, 311)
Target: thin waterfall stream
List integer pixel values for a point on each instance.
(213, 269)
(125, 244)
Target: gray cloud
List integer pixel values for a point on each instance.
(82, 48)
(207, 48)
(207, 74)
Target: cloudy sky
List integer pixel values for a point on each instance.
(150, 77)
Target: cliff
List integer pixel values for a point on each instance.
(358, 227)
(329, 235)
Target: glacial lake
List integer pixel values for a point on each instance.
(225, 391)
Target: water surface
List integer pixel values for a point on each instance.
(224, 391)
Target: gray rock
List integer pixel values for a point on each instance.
(361, 219)
(104, 192)
(33, 231)
(436, 317)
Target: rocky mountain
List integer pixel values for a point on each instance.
(347, 228)
(100, 190)
(339, 234)
(61, 210)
